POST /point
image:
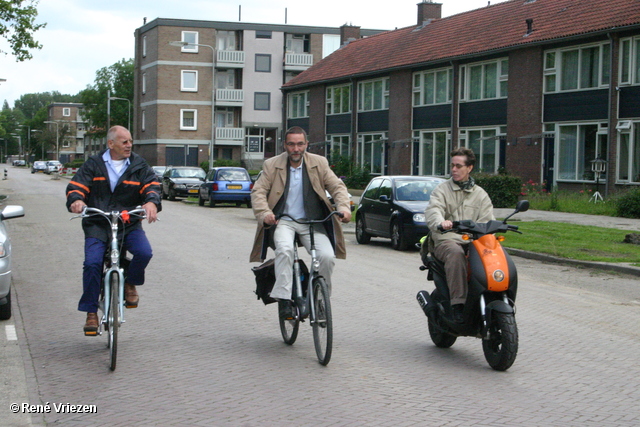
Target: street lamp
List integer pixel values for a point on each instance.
(57, 138)
(109, 98)
(213, 92)
(30, 133)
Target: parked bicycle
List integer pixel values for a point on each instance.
(310, 299)
(112, 299)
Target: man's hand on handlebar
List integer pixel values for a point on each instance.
(270, 219)
(446, 225)
(78, 206)
(152, 211)
(346, 215)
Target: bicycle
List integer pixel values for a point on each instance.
(314, 304)
(112, 300)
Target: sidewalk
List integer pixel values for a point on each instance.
(626, 224)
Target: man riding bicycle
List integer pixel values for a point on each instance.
(294, 182)
(117, 179)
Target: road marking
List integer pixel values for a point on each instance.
(10, 330)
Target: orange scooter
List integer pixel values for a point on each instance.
(489, 312)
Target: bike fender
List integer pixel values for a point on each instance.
(500, 307)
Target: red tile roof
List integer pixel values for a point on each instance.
(492, 28)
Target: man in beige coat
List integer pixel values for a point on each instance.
(456, 199)
(294, 182)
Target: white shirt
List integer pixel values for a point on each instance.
(294, 205)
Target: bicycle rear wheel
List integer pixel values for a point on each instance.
(289, 329)
(113, 318)
(322, 323)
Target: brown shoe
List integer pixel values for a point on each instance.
(130, 296)
(91, 326)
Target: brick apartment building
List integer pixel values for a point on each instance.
(179, 64)
(68, 127)
(541, 88)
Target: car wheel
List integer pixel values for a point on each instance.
(164, 195)
(362, 237)
(200, 200)
(172, 195)
(398, 241)
(212, 202)
(249, 204)
(5, 309)
(238, 204)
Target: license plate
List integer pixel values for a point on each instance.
(193, 191)
(234, 187)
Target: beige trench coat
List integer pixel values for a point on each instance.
(270, 187)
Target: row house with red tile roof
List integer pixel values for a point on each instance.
(208, 90)
(539, 88)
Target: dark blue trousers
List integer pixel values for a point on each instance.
(135, 242)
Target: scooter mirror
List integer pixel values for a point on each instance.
(522, 206)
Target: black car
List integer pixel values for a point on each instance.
(181, 181)
(393, 207)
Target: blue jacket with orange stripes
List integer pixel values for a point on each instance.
(137, 186)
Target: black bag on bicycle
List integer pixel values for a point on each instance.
(266, 277)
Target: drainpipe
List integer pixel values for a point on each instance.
(456, 78)
(612, 133)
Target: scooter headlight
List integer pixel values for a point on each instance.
(419, 217)
(498, 275)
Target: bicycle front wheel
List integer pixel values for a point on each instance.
(322, 323)
(113, 318)
(289, 329)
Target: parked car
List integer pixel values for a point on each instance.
(159, 170)
(227, 185)
(393, 207)
(8, 212)
(181, 181)
(39, 166)
(53, 166)
(19, 163)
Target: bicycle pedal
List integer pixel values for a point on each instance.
(90, 333)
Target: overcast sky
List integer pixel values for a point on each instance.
(83, 36)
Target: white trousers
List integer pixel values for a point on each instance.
(283, 238)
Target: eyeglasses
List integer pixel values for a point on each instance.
(295, 144)
(457, 165)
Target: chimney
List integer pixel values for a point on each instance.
(428, 11)
(348, 33)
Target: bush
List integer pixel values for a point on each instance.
(354, 176)
(628, 204)
(74, 164)
(503, 189)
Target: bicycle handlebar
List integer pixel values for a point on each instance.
(311, 221)
(89, 212)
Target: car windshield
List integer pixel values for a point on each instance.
(413, 191)
(232, 175)
(188, 173)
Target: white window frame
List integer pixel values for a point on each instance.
(191, 37)
(144, 83)
(579, 161)
(433, 151)
(628, 152)
(298, 105)
(66, 112)
(379, 91)
(371, 151)
(554, 71)
(184, 88)
(486, 147)
(144, 46)
(339, 144)
(226, 40)
(143, 121)
(421, 81)
(467, 86)
(183, 126)
(629, 61)
(336, 103)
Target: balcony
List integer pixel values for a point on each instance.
(230, 59)
(229, 136)
(229, 97)
(297, 61)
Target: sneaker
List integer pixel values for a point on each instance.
(457, 311)
(285, 309)
(130, 296)
(91, 325)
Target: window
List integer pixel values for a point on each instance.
(66, 143)
(488, 80)
(66, 112)
(338, 99)
(485, 143)
(373, 95)
(434, 153)
(188, 119)
(263, 63)
(330, 43)
(297, 43)
(263, 34)
(224, 117)
(373, 189)
(189, 81)
(629, 154)
(578, 145)
(144, 83)
(226, 40)
(630, 61)
(226, 79)
(298, 105)
(262, 101)
(584, 67)
(338, 145)
(433, 87)
(143, 121)
(371, 151)
(190, 37)
(144, 46)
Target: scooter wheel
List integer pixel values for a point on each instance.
(501, 348)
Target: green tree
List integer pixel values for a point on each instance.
(17, 26)
(31, 103)
(118, 79)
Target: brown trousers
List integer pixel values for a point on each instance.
(455, 266)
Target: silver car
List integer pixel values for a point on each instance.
(11, 211)
(39, 166)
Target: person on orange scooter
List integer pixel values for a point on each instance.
(457, 199)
